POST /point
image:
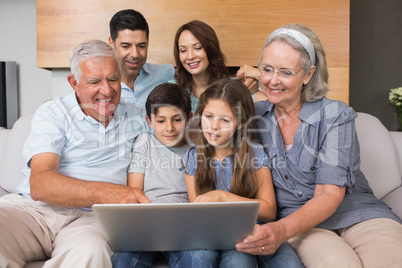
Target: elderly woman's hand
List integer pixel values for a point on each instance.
(265, 240)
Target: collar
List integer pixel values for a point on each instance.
(145, 69)
(308, 113)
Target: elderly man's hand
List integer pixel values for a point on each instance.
(121, 194)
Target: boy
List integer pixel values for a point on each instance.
(156, 159)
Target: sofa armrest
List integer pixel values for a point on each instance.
(393, 200)
(13, 162)
(4, 133)
(397, 138)
(2, 192)
(3, 141)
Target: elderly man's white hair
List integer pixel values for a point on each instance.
(90, 49)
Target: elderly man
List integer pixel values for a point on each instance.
(77, 155)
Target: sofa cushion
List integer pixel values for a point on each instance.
(379, 161)
(13, 161)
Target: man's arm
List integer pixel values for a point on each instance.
(50, 186)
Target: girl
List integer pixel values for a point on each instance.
(226, 164)
(200, 61)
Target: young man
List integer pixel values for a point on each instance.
(129, 36)
(77, 155)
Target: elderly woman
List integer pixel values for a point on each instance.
(326, 209)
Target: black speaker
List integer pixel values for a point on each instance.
(8, 94)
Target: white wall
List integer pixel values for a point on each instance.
(18, 43)
(60, 85)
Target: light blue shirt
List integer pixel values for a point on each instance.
(325, 151)
(224, 168)
(87, 150)
(150, 76)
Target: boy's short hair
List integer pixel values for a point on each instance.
(168, 94)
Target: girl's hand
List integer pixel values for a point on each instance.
(212, 196)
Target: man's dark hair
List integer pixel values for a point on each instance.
(168, 94)
(127, 19)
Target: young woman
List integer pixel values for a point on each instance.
(227, 164)
(200, 61)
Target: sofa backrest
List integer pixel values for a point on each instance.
(397, 138)
(379, 160)
(379, 157)
(13, 162)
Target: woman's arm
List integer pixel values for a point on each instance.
(271, 235)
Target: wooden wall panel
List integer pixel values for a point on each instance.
(339, 84)
(241, 26)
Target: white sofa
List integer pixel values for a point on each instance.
(381, 160)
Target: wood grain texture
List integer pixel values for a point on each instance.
(339, 84)
(241, 26)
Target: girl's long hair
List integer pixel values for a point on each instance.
(237, 96)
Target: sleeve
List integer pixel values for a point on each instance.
(260, 157)
(339, 153)
(189, 162)
(167, 71)
(47, 133)
(139, 154)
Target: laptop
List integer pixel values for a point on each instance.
(176, 226)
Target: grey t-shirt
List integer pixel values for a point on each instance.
(160, 164)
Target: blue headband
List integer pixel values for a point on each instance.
(301, 38)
